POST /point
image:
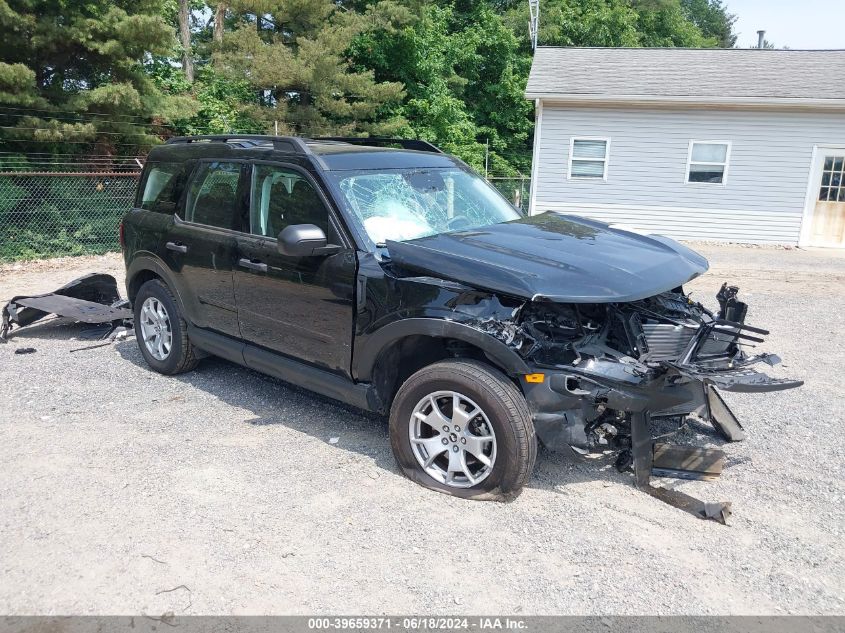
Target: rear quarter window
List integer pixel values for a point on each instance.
(162, 187)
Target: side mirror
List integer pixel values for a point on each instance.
(302, 240)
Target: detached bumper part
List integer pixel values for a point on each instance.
(687, 462)
(90, 299)
(642, 449)
(740, 380)
(721, 417)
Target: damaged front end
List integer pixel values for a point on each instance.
(665, 355)
(605, 371)
(607, 338)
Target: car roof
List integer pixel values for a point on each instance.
(332, 154)
(350, 157)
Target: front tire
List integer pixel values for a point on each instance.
(462, 428)
(161, 331)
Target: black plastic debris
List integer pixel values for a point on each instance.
(25, 350)
(90, 299)
(642, 450)
(721, 417)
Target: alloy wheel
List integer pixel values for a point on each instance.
(155, 328)
(452, 439)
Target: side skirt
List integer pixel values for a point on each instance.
(360, 395)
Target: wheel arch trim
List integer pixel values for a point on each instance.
(366, 358)
(147, 262)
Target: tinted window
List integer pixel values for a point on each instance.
(283, 197)
(162, 187)
(212, 198)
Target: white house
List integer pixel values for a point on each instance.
(744, 145)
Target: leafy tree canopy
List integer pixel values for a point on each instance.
(78, 74)
(72, 76)
(631, 23)
(712, 19)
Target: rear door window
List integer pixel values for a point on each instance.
(213, 196)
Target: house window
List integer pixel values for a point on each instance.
(588, 157)
(833, 179)
(708, 161)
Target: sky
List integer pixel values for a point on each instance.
(792, 23)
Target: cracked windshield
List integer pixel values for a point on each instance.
(403, 204)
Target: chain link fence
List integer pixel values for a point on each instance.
(50, 208)
(517, 189)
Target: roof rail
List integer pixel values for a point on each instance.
(281, 143)
(375, 141)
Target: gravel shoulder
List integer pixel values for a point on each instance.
(219, 491)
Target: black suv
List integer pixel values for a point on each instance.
(389, 276)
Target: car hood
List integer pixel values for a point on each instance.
(554, 257)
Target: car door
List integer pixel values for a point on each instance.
(302, 307)
(201, 245)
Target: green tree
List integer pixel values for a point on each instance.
(72, 78)
(293, 54)
(610, 23)
(464, 76)
(667, 25)
(184, 20)
(712, 19)
(582, 23)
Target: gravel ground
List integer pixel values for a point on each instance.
(219, 491)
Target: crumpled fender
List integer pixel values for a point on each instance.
(367, 354)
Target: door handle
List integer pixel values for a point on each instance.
(253, 264)
(176, 246)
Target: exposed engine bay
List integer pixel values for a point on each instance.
(665, 354)
(609, 369)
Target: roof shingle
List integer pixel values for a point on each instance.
(684, 73)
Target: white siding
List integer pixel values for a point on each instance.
(762, 201)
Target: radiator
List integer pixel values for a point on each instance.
(667, 341)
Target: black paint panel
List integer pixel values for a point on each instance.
(554, 257)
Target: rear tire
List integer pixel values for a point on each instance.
(161, 331)
(479, 441)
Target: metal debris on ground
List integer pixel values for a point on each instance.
(119, 333)
(25, 350)
(687, 462)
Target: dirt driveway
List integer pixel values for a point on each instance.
(221, 492)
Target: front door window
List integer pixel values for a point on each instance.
(283, 197)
